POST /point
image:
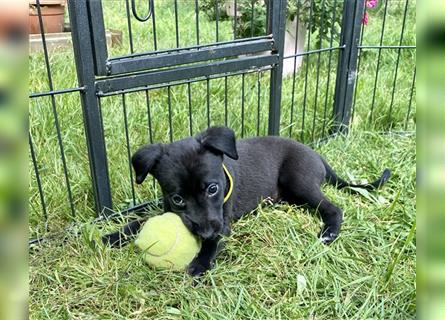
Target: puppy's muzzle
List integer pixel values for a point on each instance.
(212, 230)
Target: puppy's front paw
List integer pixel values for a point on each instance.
(328, 234)
(197, 268)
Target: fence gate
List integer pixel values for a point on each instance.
(101, 75)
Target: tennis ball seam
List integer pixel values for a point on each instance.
(171, 248)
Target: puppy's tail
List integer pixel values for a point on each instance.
(339, 183)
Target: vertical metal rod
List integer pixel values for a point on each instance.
(235, 18)
(362, 32)
(225, 101)
(394, 84)
(378, 62)
(307, 71)
(242, 104)
(217, 20)
(197, 21)
(39, 182)
(127, 138)
(294, 73)
(153, 18)
(170, 125)
(150, 128)
(252, 15)
(83, 54)
(208, 102)
(130, 33)
(347, 65)
(276, 23)
(176, 23)
(189, 94)
(54, 110)
(318, 71)
(413, 87)
(328, 82)
(258, 114)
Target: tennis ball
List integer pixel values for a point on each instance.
(167, 243)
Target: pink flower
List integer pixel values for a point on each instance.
(371, 3)
(365, 19)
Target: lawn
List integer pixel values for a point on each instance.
(369, 272)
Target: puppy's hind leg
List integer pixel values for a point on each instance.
(331, 215)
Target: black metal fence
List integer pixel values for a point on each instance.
(185, 65)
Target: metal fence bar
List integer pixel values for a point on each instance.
(297, 26)
(176, 23)
(378, 62)
(242, 104)
(399, 51)
(362, 33)
(149, 122)
(258, 114)
(194, 55)
(55, 92)
(153, 19)
(217, 20)
(388, 47)
(276, 24)
(306, 73)
(328, 81)
(170, 124)
(127, 140)
(97, 30)
(225, 102)
(130, 33)
(309, 52)
(164, 76)
(208, 101)
(189, 96)
(347, 64)
(184, 81)
(54, 111)
(38, 180)
(197, 21)
(83, 53)
(413, 88)
(183, 49)
(318, 71)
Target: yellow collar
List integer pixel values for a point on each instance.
(229, 193)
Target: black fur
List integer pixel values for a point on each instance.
(267, 167)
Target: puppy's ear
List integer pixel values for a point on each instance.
(145, 159)
(219, 140)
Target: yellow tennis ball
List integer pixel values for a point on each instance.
(167, 243)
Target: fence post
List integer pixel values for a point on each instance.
(84, 57)
(347, 64)
(276, 26)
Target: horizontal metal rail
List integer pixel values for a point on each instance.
(170, 58)
(387, 47)
(233, 42)
(186, 81)
(314, 51)
(182, 73)
(55, 92)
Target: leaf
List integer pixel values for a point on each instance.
(172, 310)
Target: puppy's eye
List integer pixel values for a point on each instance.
(212, 189)
(178, 200)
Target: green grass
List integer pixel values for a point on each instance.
(256, 274)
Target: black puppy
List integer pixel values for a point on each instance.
(211, 180)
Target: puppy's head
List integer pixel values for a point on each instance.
(191, 177)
